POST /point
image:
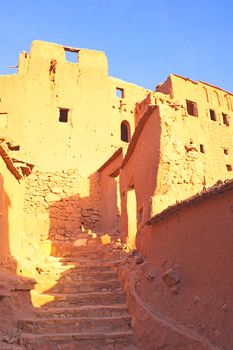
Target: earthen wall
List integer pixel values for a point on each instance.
(188, 269)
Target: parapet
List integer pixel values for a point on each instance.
(43, 52)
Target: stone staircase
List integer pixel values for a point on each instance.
(87, 308)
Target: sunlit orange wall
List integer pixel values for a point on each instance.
(32, 101)
(198, 241)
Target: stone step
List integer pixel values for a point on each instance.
(79, 261)
(70, 270)
(91, 276)
(60, 249)
(93, 298)
(84, 265)
(105, 254)
(77, 287)
(72, 287)
(81, 341)
(78, 276)
(84, 311)
(77, 324)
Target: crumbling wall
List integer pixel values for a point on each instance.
(192, 155)
(77, 113)
(58, 205)
(187, 275)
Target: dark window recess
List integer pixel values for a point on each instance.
(71, 55)
(229, 167)
(125, 132)
(192, 108)
(202, 148)
(120, 93)
(225, 151)
(213, 115)
(63, 115)
(225, 119)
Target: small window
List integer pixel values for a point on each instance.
(225, 151)
(202, 148)
(71, 55)
(63, 115)
(125, 131)
(213, 115)
(192, 108)
(229, 167)
(225, 119)
(120, 93)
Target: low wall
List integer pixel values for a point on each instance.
(190, 259)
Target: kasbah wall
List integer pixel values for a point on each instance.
(107, 155)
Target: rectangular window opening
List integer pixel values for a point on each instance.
(213, 115)
(226, 119)
(191, 108)
(202, 148)
(120, 93)
(71, 55)
(225, 151)
(229, 167)
(63, 115)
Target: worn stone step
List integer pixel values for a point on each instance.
(84, 311)
(60, 249)
(81, 261)
(93, 298)
(73, 271)
(78, 276)
(86, 259)
(90, 276)
(81, 341)
(77, 324)
(80, 287)
(85, 265)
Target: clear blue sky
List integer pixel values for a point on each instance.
(144, 40)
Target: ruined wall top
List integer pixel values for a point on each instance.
(42, 51)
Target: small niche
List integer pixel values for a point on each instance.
(213, 115)
(225, 151)
(229, 167)
(191, 108)
(120, 92)
(71, 55)
(226, 119)
(63, 115)
(202, 148)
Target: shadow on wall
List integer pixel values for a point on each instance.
(15, 300)
(72, 215)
